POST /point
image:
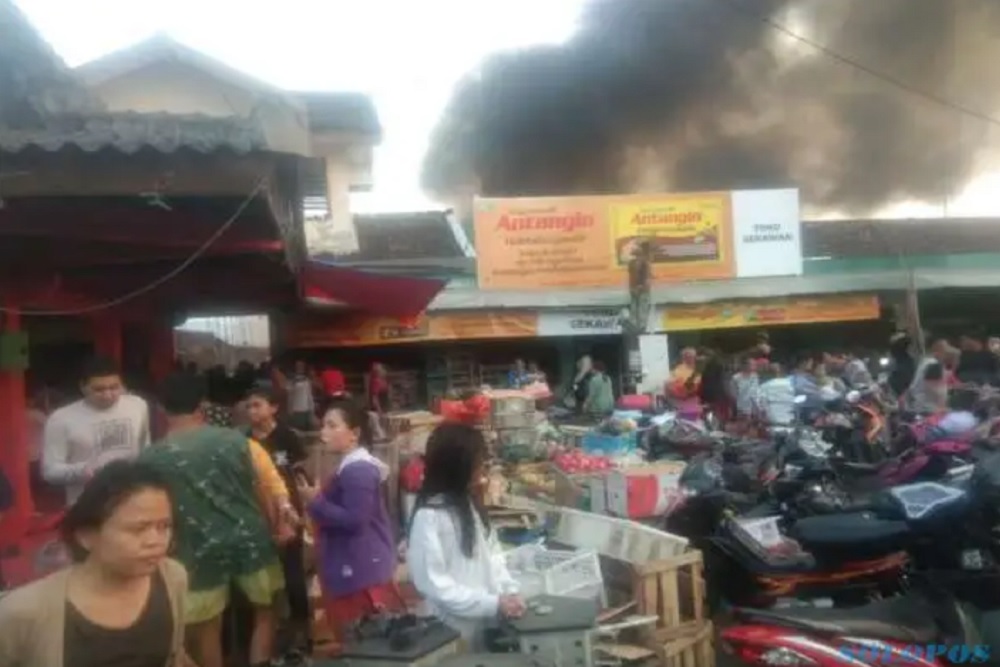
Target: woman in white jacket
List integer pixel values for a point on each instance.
(453, 556)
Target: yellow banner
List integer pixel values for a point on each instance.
(771, 312)
(356, 331)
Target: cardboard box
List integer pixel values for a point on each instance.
(599, 494)
(642, 492)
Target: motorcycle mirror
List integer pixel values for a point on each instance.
(853, 396)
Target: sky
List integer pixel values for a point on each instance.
(407, 54)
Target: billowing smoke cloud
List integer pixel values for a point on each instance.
(661, 95)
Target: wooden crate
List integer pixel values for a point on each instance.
(574, 490)
(673, 590)
(694, 650)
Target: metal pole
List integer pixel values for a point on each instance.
(635, 325)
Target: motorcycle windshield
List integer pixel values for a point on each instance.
(921, 499)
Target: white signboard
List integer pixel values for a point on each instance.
(655, 351)
(767, 233)
(580, 322)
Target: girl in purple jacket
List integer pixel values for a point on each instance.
(356, 552)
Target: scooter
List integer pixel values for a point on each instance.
(925, 627)
(919, 629)
(857, 426)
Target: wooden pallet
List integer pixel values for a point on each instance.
(673, 590)
(695, 650)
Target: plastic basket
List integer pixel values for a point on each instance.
(610, 445)
(540, 571)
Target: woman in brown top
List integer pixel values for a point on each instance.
(120, 603)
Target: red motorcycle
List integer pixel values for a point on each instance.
(917, 629)
(925, 626)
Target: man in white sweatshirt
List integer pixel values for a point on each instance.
(106, 424)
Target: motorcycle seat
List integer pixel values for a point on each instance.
(858, 468)
(860, 530)
(906, 619)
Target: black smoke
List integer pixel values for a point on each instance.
(660, 95)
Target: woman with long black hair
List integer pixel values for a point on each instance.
(453, 555)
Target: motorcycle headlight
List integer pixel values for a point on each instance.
(688, 492)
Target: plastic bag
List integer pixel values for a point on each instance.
(473, 410)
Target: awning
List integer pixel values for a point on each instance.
(376, 293)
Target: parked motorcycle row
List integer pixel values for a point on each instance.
(855, 539)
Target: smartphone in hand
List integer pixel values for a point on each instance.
(301, 475)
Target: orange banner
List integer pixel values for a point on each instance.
(332, 331)
(542, 243)
(762, 313)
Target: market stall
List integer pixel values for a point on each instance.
(567, 497)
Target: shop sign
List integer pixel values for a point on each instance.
(316, 330)
(566, 242)
(770, 312)
(767, 233)
(580, 323)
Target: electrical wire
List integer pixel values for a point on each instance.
(736, 6)
(170, 275)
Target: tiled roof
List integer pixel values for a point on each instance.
(43, 104)
(130, 132)
(34, 81)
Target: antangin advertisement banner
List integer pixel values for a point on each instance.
(565, 242)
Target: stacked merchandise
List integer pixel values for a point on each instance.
(512, 420)
(404, 389)
(451, 373)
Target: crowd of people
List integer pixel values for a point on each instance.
(753, 387)
(163, 529)
(164, 522)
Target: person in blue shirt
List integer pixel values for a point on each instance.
(961, 420)
(518, 376)
(804, 384)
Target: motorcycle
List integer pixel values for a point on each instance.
(719, 496)
(806, 460)
(950, 530)
(857, 426)
(815, 542)
(920, 629)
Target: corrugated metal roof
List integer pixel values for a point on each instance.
(716, 290)
(886, 238)
(129, 132)
(400, 238)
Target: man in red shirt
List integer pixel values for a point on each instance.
(333, 383)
